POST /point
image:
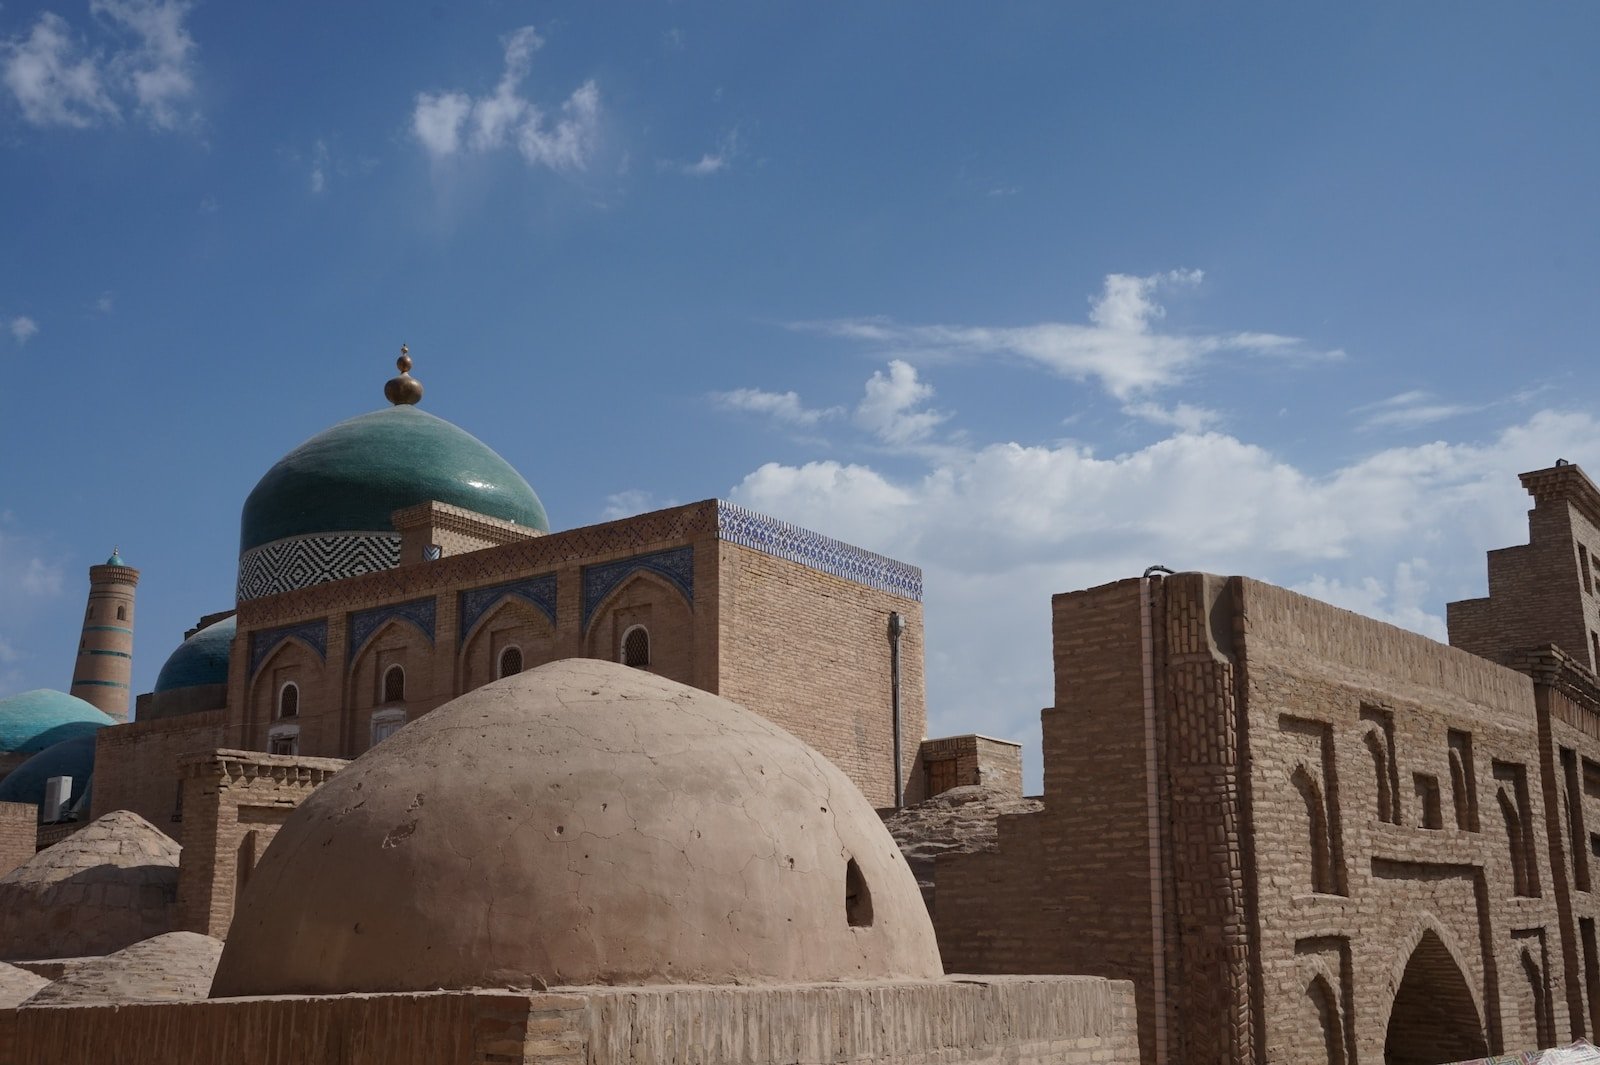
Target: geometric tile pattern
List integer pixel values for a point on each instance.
(420, 612)
(676, 565)
(476, 602)
(301, 561)
(780, 539)
(263, 641)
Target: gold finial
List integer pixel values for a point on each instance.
(405, 388)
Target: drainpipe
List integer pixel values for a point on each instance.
(897, 625)
(1152, 794)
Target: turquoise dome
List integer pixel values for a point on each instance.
(201, 659)
(34, 720)
(71, 758)
(116, 558)
(351, 477)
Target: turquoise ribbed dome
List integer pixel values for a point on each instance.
(32, 721)
(71, 758)
(201, 659)
(351, 477)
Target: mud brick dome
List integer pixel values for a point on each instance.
(581, 823)
(322, 512)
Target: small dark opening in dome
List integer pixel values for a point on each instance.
(857, 898)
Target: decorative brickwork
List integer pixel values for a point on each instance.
(1271, 889)
(233, 804)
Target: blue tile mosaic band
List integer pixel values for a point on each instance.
(476, 602)
(313, 633)
(780, 539)
(676, 565)
(420, 612)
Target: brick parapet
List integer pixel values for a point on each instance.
(962, 1021)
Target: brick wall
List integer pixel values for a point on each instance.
(136, 764)
(1059, 1021)
(1068, 891)
(18, 824)
(1363, 833)
(959, 761)
(1548, 590)
(810, 651)
(234, 802)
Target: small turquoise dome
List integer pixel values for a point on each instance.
(70, 758)
(116, 558)
(201, 659)
(351, 477)
(32, 721)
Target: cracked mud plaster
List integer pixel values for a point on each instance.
(579, 823)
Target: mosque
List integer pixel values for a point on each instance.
(446, 785)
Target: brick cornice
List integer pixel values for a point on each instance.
(1564, 484)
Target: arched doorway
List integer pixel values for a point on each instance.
(1433, 1018)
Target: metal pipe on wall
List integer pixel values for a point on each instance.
(897, 625)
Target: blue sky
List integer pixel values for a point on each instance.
(1032, 296)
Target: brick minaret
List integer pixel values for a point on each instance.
(105, 653)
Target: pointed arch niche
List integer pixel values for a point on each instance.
(397, 644)
(291, 663)
(646, 599)
(1435, 1015)
(511, 623)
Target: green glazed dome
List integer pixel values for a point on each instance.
(70, 758)
(201, 659)
(350, 478)
(32, 721)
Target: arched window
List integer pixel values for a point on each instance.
(289, 700)
(636, 647)
(122, 613)
(394, 685)
(510, 662)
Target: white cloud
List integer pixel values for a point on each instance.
(1408, 410)
(449, 123)
(319, 168)
(159, 68)
(53, 82)
(105, 303)
(631, 502)
(1119, 348)
(23, 328)
(146, 64)
(998, 527)
(890, 408)
(40, 578)
(711, 162)
(785, 407)
(1184, 417)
